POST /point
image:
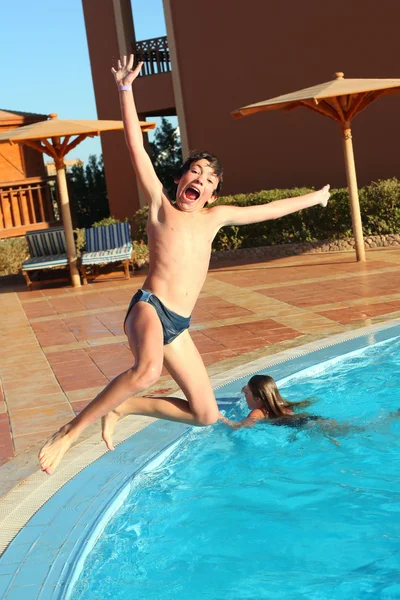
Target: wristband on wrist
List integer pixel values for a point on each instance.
(124, 88)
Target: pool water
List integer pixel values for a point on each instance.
(269, 512)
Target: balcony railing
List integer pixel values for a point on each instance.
(155, 55)
(26, 205)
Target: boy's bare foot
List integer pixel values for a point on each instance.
(54, 449)
(324, 195)
(108, 423)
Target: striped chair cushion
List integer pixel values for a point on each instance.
(47, 242)
(43, 262)
(106, 256)
(108, 237)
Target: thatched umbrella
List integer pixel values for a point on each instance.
(45, 137)
(340, 99)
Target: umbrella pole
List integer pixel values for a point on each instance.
(67, 221)
(353, 193)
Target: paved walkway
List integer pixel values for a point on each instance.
(61, 346)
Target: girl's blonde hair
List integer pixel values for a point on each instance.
(265, 389)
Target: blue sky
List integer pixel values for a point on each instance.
(45, 64)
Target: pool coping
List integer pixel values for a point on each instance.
(48, 525)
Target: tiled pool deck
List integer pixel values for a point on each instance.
(61, 346)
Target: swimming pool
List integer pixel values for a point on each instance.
(269, 512)
(52, 523)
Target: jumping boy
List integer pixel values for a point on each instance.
(157, 322)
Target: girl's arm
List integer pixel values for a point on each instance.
(148, 180)
(249, 421)
(244, 215)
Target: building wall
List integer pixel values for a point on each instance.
(233, 53)
(19, 162)
(110, 33)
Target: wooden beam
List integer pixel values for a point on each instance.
(344, 102)
(77, 141)
(49, 147)
(363, 101)
(38, 146)
(64, 145)
(5, 204)
(292, 106)
(336, 104)
(323, 108)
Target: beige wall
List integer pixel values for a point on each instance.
(233, 53)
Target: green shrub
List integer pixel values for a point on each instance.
(380, 207)
(13, 252)
(80, 241)
(140, 224)
(107, 221)
(140, 254)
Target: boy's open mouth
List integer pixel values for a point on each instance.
(192, 193)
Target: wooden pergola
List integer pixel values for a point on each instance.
(57, 137)
(341, 100)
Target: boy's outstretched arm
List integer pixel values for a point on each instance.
(148, 180)
(244, 215)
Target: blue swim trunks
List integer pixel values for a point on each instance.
(172, 323)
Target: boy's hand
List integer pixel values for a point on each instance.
(124, 75)
(324, 195)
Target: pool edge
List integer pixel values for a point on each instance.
(17, 497)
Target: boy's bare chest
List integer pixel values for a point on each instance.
(181, 230)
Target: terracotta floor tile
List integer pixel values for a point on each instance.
(22, 401)
(373, 310)
(4, 429)
(79, 405)
(27, 295)
(84, 372)
(37, 381)
(242, 346)
(226, 313)
(85, 394)
(264, 327)
(32, 420)
(201, 316)
(81, 384)
(210, 346)
(210, 358)
(293, 290)
(66, 356)
(276, 338)
(39, 309)
(66, 305)
(96, 301)
(27, 440)
(344, 316)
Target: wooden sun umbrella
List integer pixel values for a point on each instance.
(45, 137)
(340, 99)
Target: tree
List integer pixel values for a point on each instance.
(167, 155)
(88, 192)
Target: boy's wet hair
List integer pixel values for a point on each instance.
(213, 160)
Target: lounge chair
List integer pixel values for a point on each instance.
(47, 249)
(111, 243)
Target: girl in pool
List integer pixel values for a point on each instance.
(265, 402)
